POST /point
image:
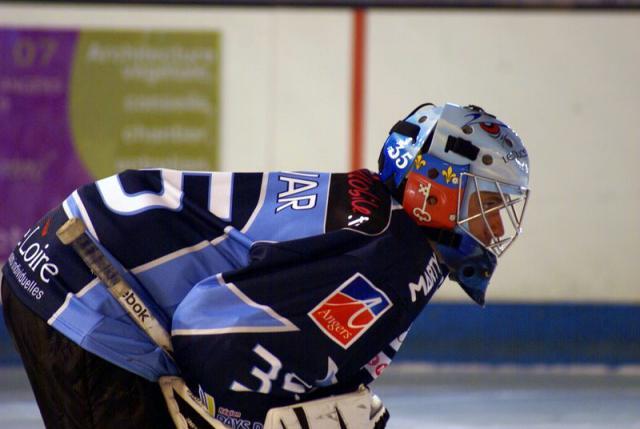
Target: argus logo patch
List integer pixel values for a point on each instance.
(350, 310)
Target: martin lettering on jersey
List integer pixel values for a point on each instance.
(350, 310)
(297, 195)
(431, 277)
(358, 200)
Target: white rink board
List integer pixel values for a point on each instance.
(566, 81)
(282, 95)
(568, 84)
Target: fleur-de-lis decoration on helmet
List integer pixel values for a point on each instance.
(450, 176)
(419, 162)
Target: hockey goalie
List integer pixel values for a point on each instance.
(248, 300)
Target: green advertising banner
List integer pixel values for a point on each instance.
(144, 99)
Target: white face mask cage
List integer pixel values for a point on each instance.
(494, 211)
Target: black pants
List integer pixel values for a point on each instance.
(77, 389)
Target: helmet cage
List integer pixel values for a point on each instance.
(489, 205)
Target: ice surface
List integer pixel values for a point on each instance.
(420, 396)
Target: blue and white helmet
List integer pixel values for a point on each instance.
(460, 169)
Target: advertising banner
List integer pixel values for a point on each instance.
(80, 105)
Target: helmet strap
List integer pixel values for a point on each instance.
(406, 129)
(444, 237)
(462, 147)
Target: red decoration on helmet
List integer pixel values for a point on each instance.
(429, 203)
(491, 127)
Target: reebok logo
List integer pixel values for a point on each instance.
(136, 306)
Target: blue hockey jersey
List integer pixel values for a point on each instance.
(275, 286)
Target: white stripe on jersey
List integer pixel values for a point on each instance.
(221, 194)
(61, 309)
(285, 324)
(76, 208)
(256, 210)
(170, 256)
(82, 292)
(119, 201)
(395, 344)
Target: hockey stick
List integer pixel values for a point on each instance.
(72, 233)
(174, 389)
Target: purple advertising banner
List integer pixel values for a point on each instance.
(81, 105)
(38, 163)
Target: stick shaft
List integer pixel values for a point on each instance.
(73, 233)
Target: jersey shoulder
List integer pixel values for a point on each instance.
(142, 215)
(359, 201)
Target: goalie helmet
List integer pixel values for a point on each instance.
(464, 174)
